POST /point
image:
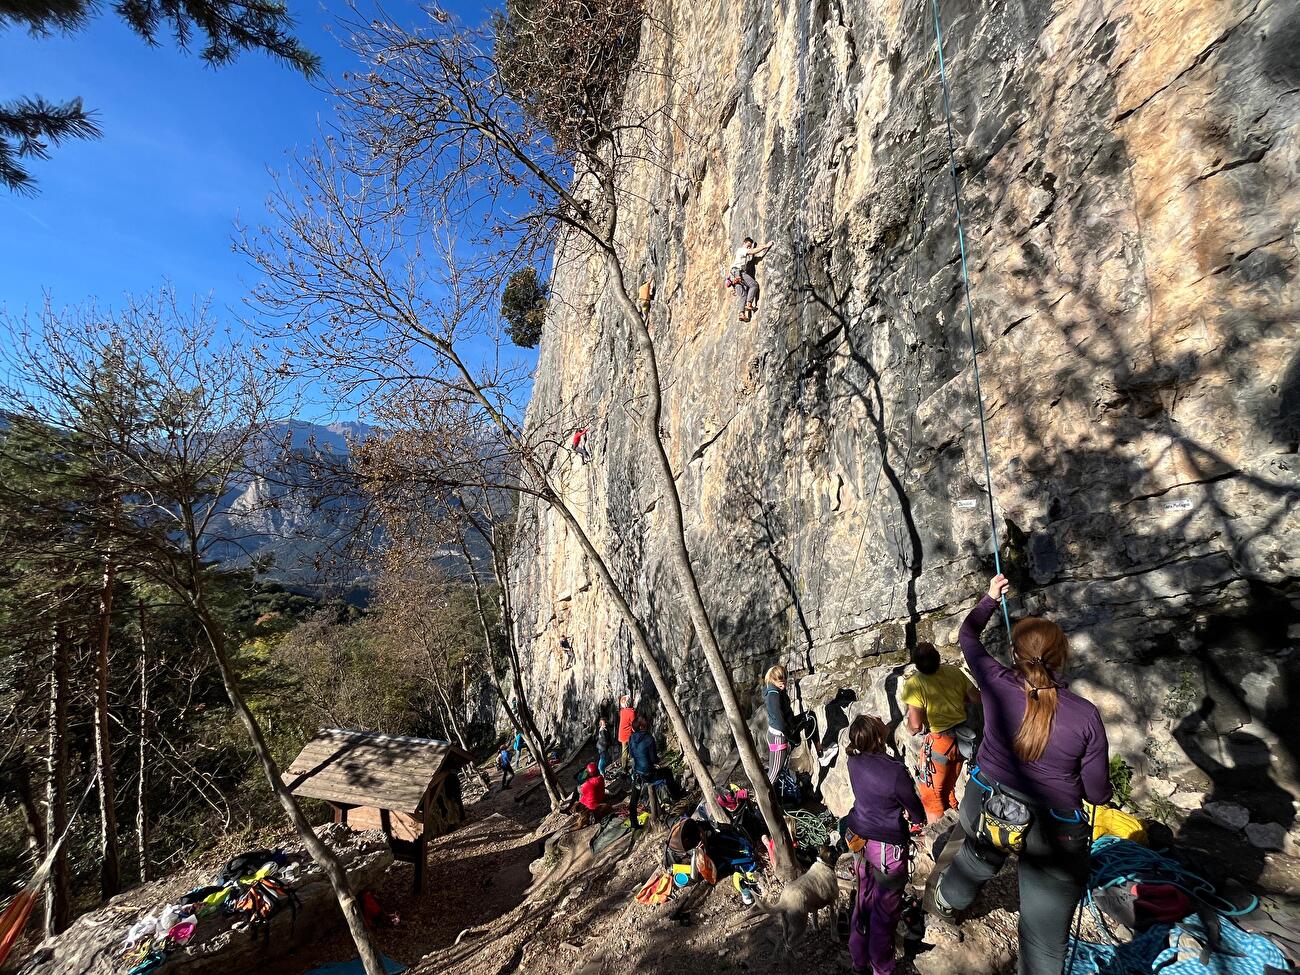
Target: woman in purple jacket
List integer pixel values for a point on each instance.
(882, 793)
(1045, 747)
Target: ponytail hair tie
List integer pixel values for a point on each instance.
(1035, 661)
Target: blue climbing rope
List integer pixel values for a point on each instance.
(970, 311)
(1117, 861)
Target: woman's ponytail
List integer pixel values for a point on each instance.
(1040, 651)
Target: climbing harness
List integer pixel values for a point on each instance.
(970, 311)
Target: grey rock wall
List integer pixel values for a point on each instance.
(1129, 175)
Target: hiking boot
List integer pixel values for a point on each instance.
(746, 896)
(932, 906)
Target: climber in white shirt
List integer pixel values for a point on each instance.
(742, 268)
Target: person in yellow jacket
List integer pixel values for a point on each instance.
(936, 696)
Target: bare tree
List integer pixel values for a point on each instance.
(185, 419)
(145, 740)
(434, 134)
(57, 906)
(412, 602)
(110, 860)
(448, 502)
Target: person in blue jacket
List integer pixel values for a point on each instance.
(647, 773)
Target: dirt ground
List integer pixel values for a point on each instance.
(484, 913)
(577, 917)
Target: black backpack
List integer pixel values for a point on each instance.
(247, 864)
(788, 791)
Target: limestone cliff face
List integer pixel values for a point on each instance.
(1131, 178)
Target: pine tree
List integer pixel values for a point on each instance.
(30, 125)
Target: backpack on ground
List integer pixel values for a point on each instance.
(262, 901)
(246, 865)
(788, 791)
(731, 850)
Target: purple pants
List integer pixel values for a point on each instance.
(877, 908)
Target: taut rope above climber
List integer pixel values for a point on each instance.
(970, 311)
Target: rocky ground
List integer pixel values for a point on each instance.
(514, 891)
(93, 945)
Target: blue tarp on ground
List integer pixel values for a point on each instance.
(354, 967)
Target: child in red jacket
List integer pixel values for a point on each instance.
(591, 797)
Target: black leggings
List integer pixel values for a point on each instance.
(1053, 873)
(646, 781)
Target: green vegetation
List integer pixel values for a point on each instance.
(28, 125)
(1121, 782)
(523, 306)
(1183, 695)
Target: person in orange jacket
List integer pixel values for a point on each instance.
(626, 717)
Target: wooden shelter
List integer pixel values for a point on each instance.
(407, 787)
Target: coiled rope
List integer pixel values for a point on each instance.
(970, 311)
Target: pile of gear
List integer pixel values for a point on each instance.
(698, 850)
(1156, 915)
(251, 889)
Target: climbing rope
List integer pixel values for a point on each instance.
(1117, 861)
(970, 311)
(810, 829)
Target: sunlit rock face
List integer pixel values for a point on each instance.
(1129, 179)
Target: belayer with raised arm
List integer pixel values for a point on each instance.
(1044, 752)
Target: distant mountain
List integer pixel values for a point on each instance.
(301, 540)
(299, 537)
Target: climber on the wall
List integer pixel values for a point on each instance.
(742, 268)
(646, 296)
(580, 445)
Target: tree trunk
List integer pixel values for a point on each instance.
(110, 865)
(321, 853)
(142, 790)
(786, 865)
(640, 642)
(455, 729)
(56, 785)
(523, 720)
(33, 821)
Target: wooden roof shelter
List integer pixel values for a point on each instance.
(407, 787)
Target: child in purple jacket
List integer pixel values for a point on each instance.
(883, 793)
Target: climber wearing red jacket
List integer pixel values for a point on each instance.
(580, 444)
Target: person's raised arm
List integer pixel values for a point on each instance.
(969, 636)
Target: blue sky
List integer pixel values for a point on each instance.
(187, 150)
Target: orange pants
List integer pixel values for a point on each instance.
(937, 777)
